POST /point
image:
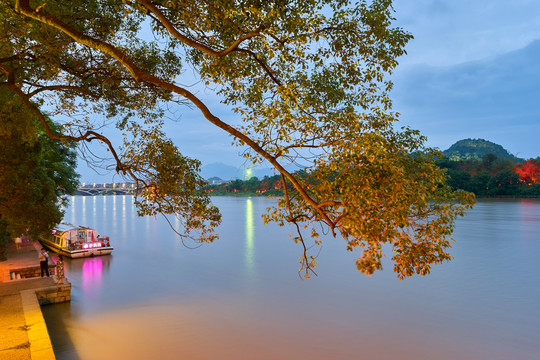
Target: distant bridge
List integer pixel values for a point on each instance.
(106, 189)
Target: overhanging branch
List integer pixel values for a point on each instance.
(23, 6)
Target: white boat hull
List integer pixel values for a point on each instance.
(76, 253)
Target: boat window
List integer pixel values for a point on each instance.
(82, 235)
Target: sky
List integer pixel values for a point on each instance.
(471, 71)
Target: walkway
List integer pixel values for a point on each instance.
(19, 340)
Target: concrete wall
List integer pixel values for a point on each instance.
(53, 295)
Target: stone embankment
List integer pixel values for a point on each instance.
(23, 332)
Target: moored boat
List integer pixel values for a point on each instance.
(76, 241)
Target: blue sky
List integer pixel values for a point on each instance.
(471, 71)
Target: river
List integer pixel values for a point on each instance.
(241, 297)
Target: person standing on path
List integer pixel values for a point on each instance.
(60, 270)
(44, 262)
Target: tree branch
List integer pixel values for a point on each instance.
(206, 49)
(60, 87)
(139, 75)
(88, 136)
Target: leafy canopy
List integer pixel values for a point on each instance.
(307, 79)
(36, 173)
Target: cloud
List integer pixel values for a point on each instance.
(494, 99)
(454, 31)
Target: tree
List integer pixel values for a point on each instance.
(35, 173)
(529, 171)
(488, 160)
(480, 183)
(505, 183)
(308, 79)
(459, 179)
(252, 184)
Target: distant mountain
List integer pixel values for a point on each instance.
(228, 172)
(475, 149)
(223, 171)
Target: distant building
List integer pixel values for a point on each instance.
(216, 181)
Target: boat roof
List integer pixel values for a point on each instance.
(62, 227)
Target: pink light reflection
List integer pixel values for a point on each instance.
(91, 274)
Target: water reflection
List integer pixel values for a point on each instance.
(529, 210)
(241, 298)
(250, 245)
(73, 207)
(114, 213)
(94, 208)
(91, 274)
(88, 273)
(83, 207)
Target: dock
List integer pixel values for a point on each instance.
(23, 332)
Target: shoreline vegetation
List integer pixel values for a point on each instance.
(478, 166)
(490, 176)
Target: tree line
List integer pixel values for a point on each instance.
(493, 176)
(490, 176)
(269, 185)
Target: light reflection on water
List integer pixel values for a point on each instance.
(241, 298)
(250, 241)
(91, 275)
(104, 207)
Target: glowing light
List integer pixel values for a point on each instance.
(92, 245)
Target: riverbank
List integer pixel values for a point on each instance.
(23, 333)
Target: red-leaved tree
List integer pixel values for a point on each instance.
(529, 171)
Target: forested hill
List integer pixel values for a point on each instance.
(475, 149)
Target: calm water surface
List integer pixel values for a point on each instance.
(241, 297)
